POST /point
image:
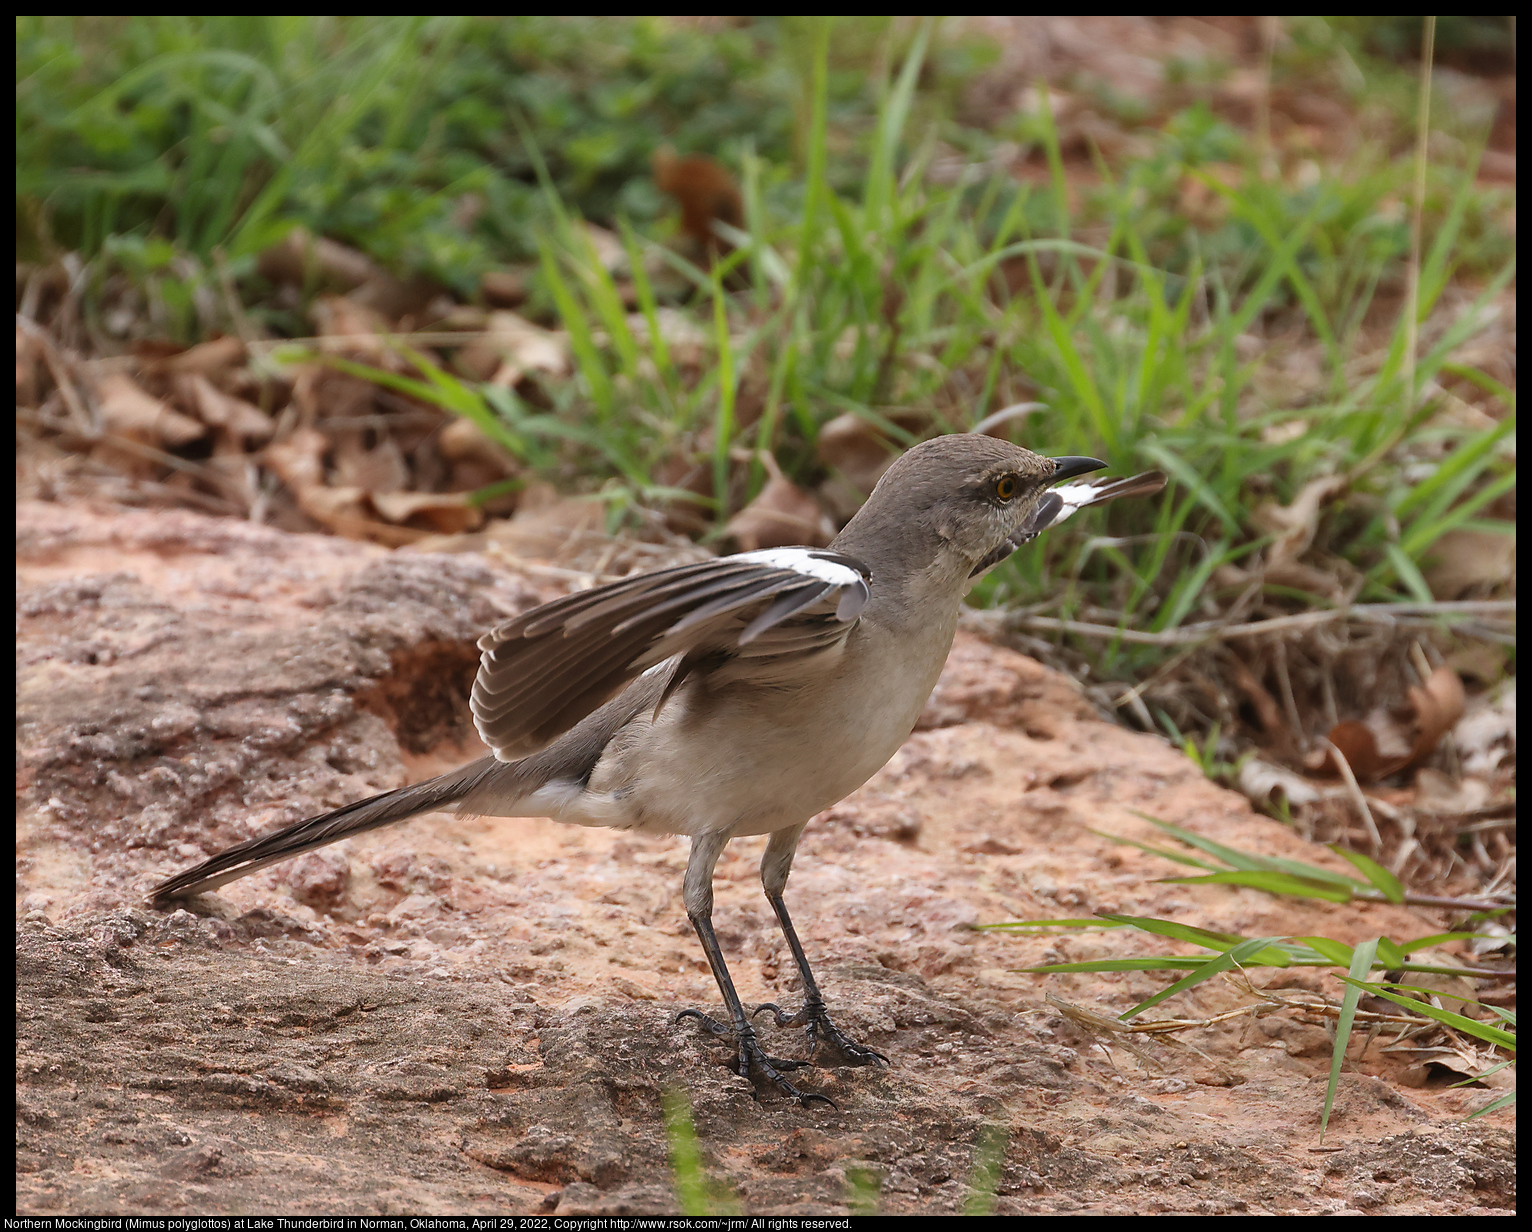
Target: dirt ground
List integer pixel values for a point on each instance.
(480, 1016)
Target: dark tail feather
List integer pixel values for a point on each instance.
(1145, 484)
(327, 828)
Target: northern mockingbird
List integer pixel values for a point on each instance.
(734, 696)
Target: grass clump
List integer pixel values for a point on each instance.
(1249, 325)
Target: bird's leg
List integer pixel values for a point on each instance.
(824, 1035)
(752, 1063)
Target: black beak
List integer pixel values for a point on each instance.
(1069, 467)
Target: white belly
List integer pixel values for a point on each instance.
(752, 759)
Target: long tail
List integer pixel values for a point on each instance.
(327, 828)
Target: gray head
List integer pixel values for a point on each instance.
(950, 501)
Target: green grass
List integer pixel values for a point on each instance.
(1145, 348)
(1226, 953)
(697, 1193)
(175, 149)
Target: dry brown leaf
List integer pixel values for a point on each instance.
(303, 259)
(1359, 746)
(299, 462)
(443, 513)
(548, 526)
(1381, 746)
(236, 418)
(855, 448)
(337, 317)
(1282, 433)
(207, 357)
(1486, 738)
(1439, 704)
(127, 410)
(1453, 992)
(322, 392)
(608, 247)
(1259, 780)
(705, 191)
(510, 347)
(1294, 525)
(1437, 793)
(783, 514)
(462, 441)
(1481, 661)
(380, 469)
(504, 288)
(1471, 561)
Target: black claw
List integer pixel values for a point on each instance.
(783, 1019)
(821, 1031)
(712, 1024)
(752, 1062)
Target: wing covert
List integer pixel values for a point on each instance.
(540, 673)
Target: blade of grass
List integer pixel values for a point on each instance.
(1216, 965)
(1382, 880)
(1361, 963)
(1458, 1022)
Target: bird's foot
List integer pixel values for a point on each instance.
(825, 1038)
(752, 1062)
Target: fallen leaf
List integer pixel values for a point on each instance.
(376, 470)
(128, 410)
(705, 191)
(1471, 561)
(298, 462)
(445, 513)
(1380, 746)
(238, 419)
(1452, 992)
(1282, 433)
(548, 526)
(323, 392)
(1486, 738)
(859, 450)
(463, 441)
(302, 259)
(609, 249)
(782, 514)
(207, 357)
(1295, 524)
(1436, 793)
(1481, 661)
(684, 338)
(510, 347)
(503, 288)
(1259, 780)
(337, 317)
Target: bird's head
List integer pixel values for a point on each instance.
(952, 501)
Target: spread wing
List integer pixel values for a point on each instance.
(758, 614)
(1064, 500)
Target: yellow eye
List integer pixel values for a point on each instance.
(1005, 487)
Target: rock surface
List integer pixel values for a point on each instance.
(478, 1016)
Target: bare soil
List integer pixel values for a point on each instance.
(479, 1016)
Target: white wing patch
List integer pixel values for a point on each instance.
(1076, 496)
(804, 561)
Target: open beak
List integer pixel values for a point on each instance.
(1069, 467)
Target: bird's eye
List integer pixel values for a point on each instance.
(1005, 487)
